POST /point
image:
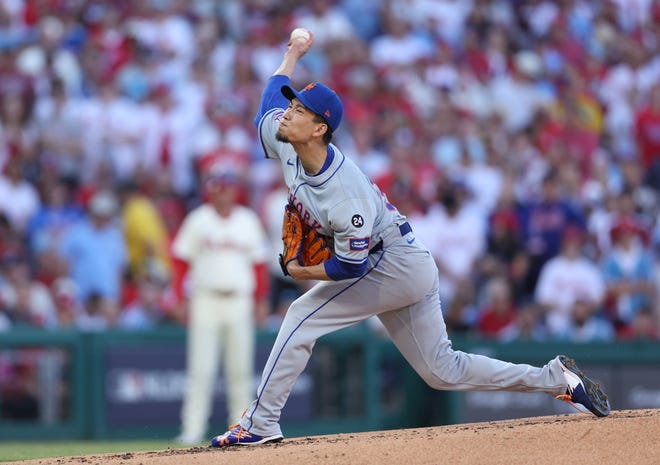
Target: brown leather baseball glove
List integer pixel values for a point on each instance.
(300, 242)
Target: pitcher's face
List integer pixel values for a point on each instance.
(298, 124)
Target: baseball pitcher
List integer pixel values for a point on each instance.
(376, 268)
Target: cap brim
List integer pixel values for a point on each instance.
(290, 94)
(222, 180)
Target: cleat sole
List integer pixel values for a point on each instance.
(601, 404)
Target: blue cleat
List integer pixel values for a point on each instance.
(581, 390)
(237, 436)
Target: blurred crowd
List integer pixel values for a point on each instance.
(521, 138)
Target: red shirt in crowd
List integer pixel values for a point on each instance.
(494, 320)
(647, 128)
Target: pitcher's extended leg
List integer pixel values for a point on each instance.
(419, 332)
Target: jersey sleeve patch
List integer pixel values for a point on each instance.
(358, 244)
(357, 221)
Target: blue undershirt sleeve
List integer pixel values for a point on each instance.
(338, 270)
(272, 96)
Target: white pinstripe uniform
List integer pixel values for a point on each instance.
(400, 286)
(221, 253)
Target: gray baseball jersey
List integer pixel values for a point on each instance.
(400, 286)
(341, 202)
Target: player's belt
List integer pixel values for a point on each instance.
(221, 293)
(404, 229)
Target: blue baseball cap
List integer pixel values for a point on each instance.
(222, 175)
(321, 100)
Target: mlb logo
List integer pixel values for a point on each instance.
(359, 244)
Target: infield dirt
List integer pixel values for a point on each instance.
(626, 436)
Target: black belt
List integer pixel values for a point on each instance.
(403, 229)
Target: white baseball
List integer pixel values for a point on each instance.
(300, 33)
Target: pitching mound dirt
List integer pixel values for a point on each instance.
(626, 436)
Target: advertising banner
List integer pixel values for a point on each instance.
(144, 385)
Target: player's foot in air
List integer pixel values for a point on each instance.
(581, 390)
(237, 436)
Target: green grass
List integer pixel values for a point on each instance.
(25, 450)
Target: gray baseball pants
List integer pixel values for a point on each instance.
(401, 288)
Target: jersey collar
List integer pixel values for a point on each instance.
(332, 163)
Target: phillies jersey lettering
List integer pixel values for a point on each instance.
(221, 251)
(211, 243)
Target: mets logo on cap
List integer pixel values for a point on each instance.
(320, 99)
